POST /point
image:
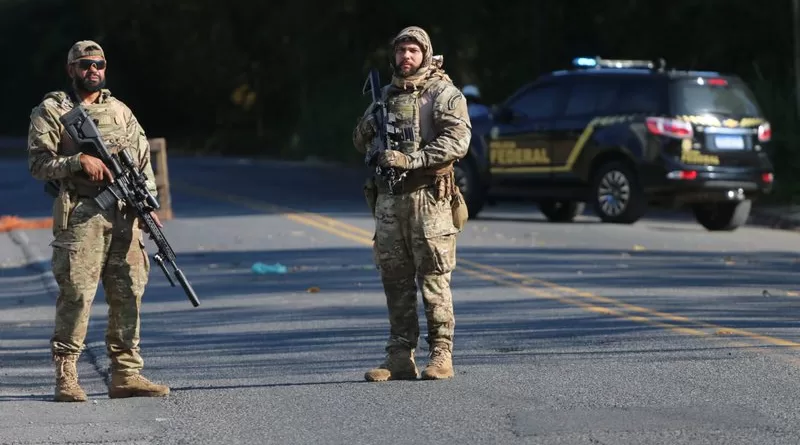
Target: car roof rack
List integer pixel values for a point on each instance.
(598, 62)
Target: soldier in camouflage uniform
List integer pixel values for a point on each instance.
(417, 224)
(91, 244)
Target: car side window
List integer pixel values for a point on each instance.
(538, 102)
(582, 99)
(592, 97)
(640, 96)
(607, 98)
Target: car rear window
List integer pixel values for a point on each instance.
(713, 95)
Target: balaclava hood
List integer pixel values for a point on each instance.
(431, 65)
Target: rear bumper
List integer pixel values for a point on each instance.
(712, 185)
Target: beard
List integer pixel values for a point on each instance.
(89, 86)
(399, 71)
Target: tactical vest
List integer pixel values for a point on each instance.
(110, 121)
(404, 121)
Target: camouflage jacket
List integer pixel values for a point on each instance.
(441, 124)
(53, 156)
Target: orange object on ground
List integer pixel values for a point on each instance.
(10, 222)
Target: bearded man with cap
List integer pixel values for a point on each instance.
(417, 224)
(91, 244)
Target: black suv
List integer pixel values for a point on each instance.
(622, 135)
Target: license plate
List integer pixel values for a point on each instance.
(729, 142)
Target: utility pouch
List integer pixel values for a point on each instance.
(459, 207)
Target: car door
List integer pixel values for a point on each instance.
(588, 97)
(519, 141)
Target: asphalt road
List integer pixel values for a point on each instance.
(581, 333)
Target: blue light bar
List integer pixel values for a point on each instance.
(598, 62)
(584, 61)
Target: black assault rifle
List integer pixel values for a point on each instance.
(381, 114)
(129, 186)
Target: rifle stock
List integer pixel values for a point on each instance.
(130, 186)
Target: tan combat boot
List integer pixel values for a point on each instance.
(399, 365)
(67, 387)
(440, 365)
(134, 385)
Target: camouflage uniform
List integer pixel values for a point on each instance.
(91, 244)
(415, 234)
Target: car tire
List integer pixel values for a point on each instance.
(561, 211)
(466, 177)
(617, 196)
(722, 216)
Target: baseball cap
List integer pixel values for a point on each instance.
(84, 48)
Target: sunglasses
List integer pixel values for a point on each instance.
(85, 64)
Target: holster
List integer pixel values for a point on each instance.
(62, 207)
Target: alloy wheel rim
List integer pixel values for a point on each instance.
(614, 193)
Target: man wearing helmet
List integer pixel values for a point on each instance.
(417, 224)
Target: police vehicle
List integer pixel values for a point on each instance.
(622, 136)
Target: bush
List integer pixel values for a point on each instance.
(779, 106)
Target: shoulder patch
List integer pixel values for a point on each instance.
(453, 101)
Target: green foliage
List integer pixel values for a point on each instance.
(283, 78)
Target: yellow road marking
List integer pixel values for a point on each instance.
(573, 297)
(637, 309)
(543, 293)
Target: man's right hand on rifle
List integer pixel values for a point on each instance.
(95, 169)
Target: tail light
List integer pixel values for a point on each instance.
(764, 132)
(718, 82)
(687, 175)
(662, 126)
(767, 177)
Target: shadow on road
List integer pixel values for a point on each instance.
(326, 315)
(325, 318)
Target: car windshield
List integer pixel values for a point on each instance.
(703, 95)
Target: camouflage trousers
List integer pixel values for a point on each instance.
(100, 245)
(415, 248)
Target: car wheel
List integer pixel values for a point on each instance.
(467, 181)
(718, 216)
(616, 194)
(561, 211)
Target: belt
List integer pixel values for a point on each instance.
(405, 186)
(415, 180)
